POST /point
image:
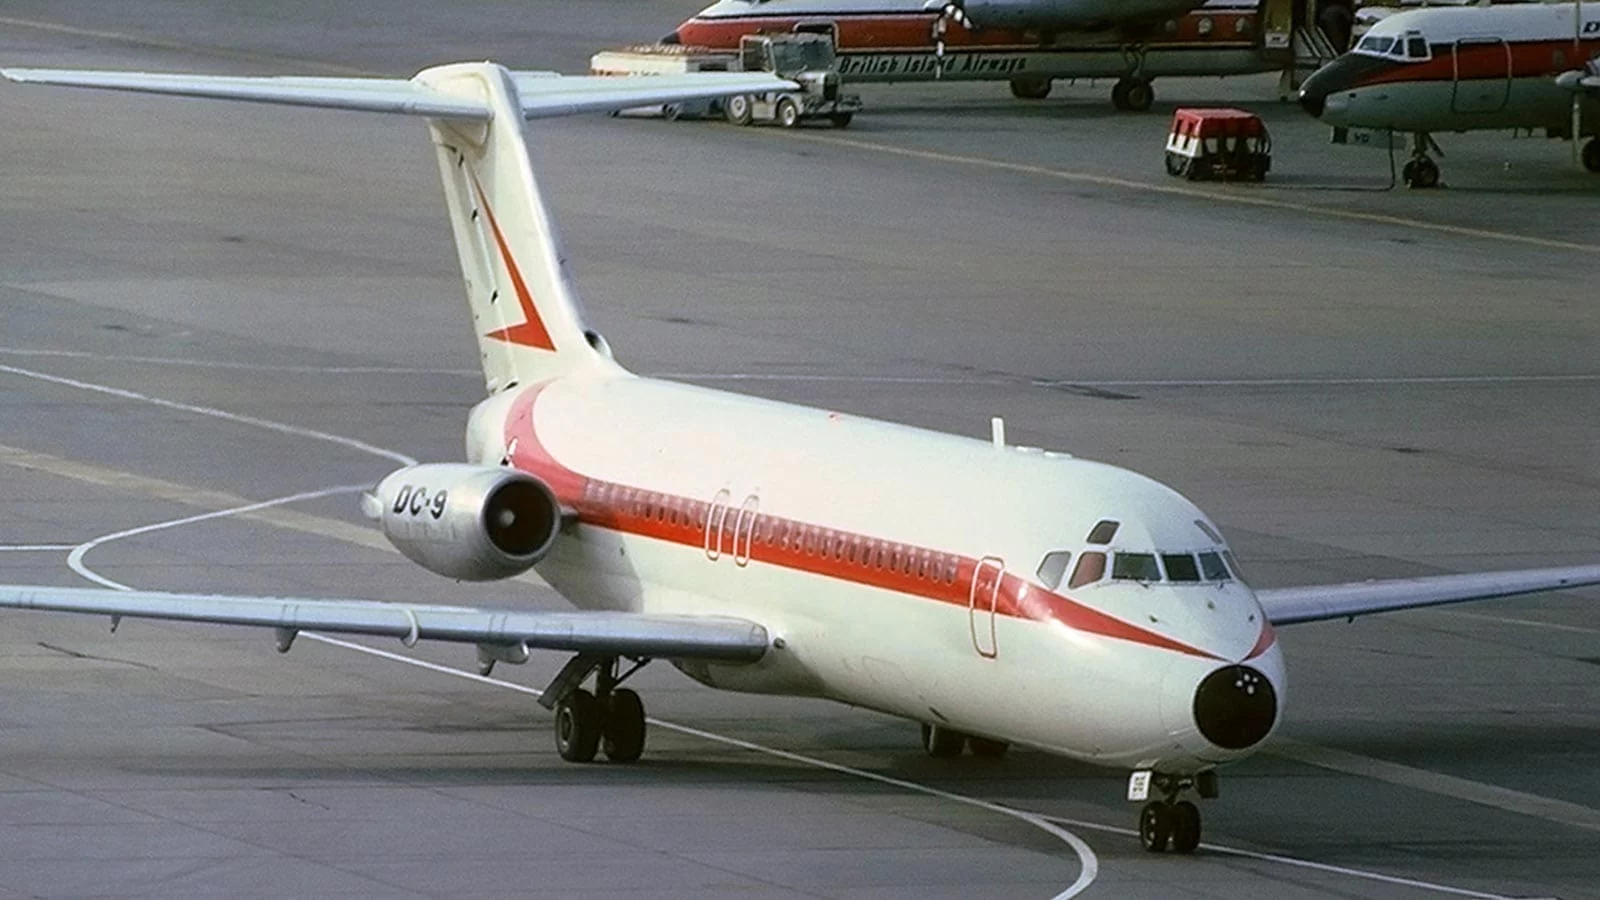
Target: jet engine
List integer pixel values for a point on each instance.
(468, 522)
(1059, 15)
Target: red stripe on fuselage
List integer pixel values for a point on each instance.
(1484, 62)
(815, 549)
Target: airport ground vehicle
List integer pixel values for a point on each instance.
(1226, 144)
(808, 60)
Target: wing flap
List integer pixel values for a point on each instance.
(620, 633)
(1315, 603)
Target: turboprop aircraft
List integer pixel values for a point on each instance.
(1467, 68)
(1028, 43)
(993, 594)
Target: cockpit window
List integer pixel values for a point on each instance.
(1208, 531)
(1180, 567)
(1052, 567)
(1211, 567)
(1103, 531)
(1135, 567)
(1091, 568)
(1417, 47)
(1232, 565)
(1375, 44)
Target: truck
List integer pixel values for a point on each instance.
(806, 59)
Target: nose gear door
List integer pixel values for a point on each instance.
(982, 600)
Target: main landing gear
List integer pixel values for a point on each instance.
(609, 720)
(1421, 171)
(1133, 94)
(947, 743)
(1171, 823)
(1591, 155)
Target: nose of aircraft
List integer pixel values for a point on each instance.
(1235, 707)
(1312, 100)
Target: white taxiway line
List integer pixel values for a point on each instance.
(179, 362)
(1089, 864)
(214, 413)
(34, 548)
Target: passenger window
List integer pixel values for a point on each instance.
(1211, 567)
(1103, 531)
(1180, 567)
(1091, 568)
(1135, 567)
(1052, 567)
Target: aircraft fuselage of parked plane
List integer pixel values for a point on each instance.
(1466, 68)
(910, 40)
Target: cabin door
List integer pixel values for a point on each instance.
(1482, 75)
(982, 600)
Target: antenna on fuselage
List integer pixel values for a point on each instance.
(997, 432)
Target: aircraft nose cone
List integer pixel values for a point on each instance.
(672, 38)
(1313, 102)
(1235, 707)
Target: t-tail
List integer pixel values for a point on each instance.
(525, 308)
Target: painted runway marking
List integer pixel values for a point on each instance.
(1088, 862)
(1531, 623)
(180, 362)
(1238, 199)
(1300, 863)
(1559, 811)
(213, 412)
(1313, 755)
(34, 548)
(139, 40)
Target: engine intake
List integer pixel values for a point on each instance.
(468, 522)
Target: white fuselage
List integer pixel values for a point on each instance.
(894, 566)
(1461, 69)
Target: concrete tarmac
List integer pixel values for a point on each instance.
(208, 305)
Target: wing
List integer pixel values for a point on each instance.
(543, 94)
(1288, 606)
(602, 633)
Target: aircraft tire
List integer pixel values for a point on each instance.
(788, 113)
(672, 112)
(578, 726)
(1421, 173)
(1155, 826)
(624, 732)
(1185, 827)
(1119, 94)
(942, 742)
(1030, 88)
(1591, 155)
(987, 748)
(1140, 95)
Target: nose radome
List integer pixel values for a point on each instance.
(1313, 101)
(1235, 707)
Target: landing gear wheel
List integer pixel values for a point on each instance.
(1132, 95)
(942, 742)
(672, 111)
(736, 110)
(578, 725)
(841, 120)
(624, 727)
(1185, 817)
(1155, 826)
(1591, 155)
(1030, 88)
(987, 748)
(788, 113)
(1421, 173)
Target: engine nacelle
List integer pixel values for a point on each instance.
(1053, 15)
(468, 522)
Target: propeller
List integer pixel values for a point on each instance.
(949, 11)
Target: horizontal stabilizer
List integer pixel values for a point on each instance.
(542, 94)
(1315, 603)
(609, 633)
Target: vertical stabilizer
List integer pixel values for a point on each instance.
(525, 308)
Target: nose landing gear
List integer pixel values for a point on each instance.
(1421, 171)
(1171, 823)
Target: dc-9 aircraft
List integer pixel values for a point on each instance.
(994, 594)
